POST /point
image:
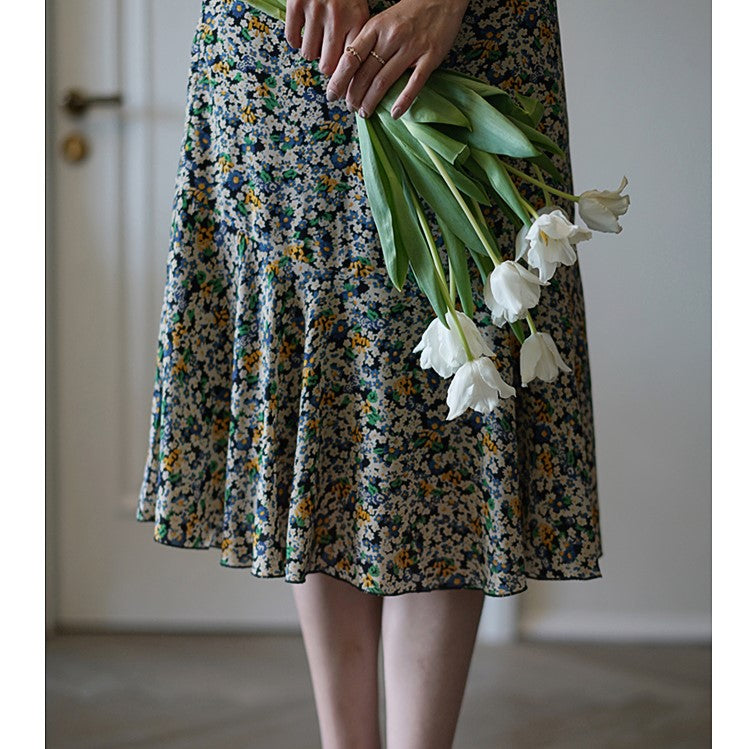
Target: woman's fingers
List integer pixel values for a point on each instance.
(350, 63)
(332, 47)
(294, 21)
(372, 80)
(416, 81)
(313, 32)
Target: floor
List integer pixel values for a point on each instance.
(154, 691)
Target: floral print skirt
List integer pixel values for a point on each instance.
(292, 427)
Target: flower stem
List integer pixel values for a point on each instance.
(440, 272)
(531, 325)
(545, 188)
(459, 198)
(540, 183)
(529, 207)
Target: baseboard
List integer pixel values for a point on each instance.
(607, 627)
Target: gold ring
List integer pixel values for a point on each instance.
(377, 57)
(353, 52)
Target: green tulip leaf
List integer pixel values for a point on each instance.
(500, 181)
(415, 244)
(395, 222)
(428, 106)
(398, 130)
(490, 129)
(458, 260)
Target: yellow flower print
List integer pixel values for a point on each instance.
(304, 509)
(354, 170)
(251, 361)
(361, 515)
(444, 568)
(487, 46)
(221, 316)
(205, 30)
(253, 199)
(200, 191)
(426, 487)
(218, 477)
(547, 535)
(544, 462)
(343, 564)
(515, 506)
(476, 524)
(489, 444)
(324, 323)
(514, 82)
(308, 372)
(204, 237)
(517, 6)
(178, 331)
(220, 430)
(225, 163)
(403, 558)
(360, 269)
(225, 544)
(404, 385)
(545, 33)
(258, 25)
(221, 67)
(303, 76)
(339, 489)
(180, 365)
(332, 128)
(171, 461)
(247, 115)
(296, 252)
(328, 182)
(431, 435)
(360, 342)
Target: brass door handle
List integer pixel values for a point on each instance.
(77, 103)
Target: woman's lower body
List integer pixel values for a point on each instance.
(292, 426)
(427, 645)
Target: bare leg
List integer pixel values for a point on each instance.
(341, 632)
(428, 641)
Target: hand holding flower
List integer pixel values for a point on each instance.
(403, 37)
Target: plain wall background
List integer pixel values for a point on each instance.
(638, 94)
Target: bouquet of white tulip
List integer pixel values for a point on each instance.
(445, 151)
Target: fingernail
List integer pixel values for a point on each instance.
(363, 112)
(331, 95)
(396, 112)
(350, 108)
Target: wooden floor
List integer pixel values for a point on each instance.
(231, 691)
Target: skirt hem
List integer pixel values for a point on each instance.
(593, 574)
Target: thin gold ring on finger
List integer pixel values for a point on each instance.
(377, 57)
(350, 49)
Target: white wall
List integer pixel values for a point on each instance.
(638, 91)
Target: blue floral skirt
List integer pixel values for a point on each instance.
(292, 426)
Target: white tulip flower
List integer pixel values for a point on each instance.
(539, 358)
(510, 291)
(442, 348)
(478, 385)
(600, 209)
(548, 242)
